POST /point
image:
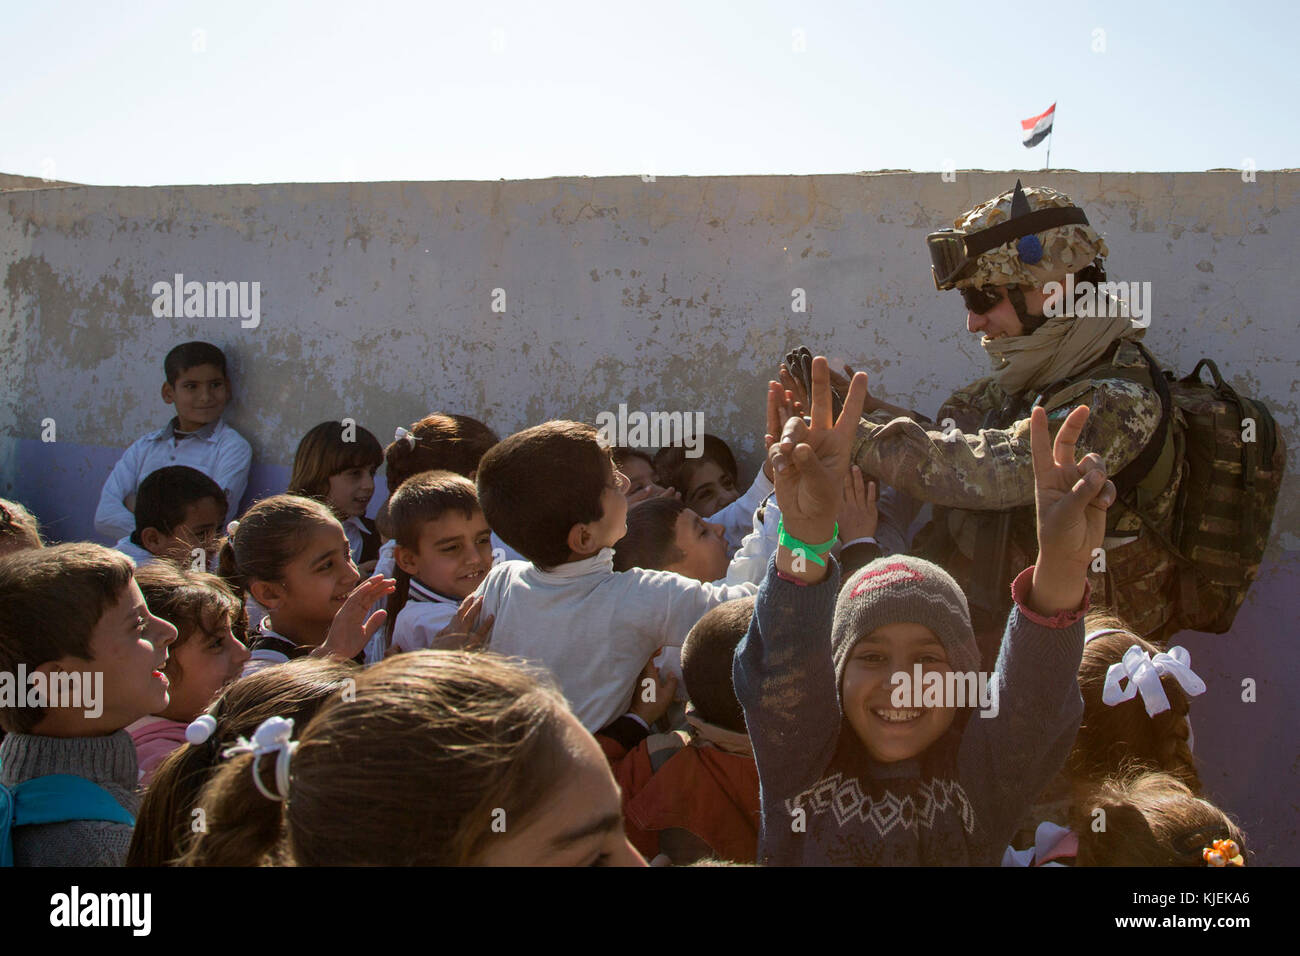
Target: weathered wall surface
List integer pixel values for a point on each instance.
(376, 302)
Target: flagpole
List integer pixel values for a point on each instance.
(1049, 142)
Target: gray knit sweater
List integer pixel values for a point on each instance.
(108, 761)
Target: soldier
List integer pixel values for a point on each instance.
(975, 464)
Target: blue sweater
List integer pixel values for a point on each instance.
(958, 803)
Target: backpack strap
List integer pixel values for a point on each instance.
(54, 798)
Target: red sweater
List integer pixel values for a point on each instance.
(708, 792)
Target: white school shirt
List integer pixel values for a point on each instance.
(139, 555)
(593, 627)
(737, 518)
(216, 449)
(425, 613)
(387, 565)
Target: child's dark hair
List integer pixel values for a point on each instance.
(1123, 737)
(706, 663)
(622, 453)
(268, 537)
(442, 442)
(189, 355)
(651, 539)
(425, 497)
(166, 494)
(50, 601)
(324, 453)
(540, 482)
(19, 528)
(1150, 819)
(674, 470)
(193, 602)
(406, 772)
(295, 689)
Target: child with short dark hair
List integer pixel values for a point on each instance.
(178, 511)
(688, 796)
(664, 535)
(443, 553)
(19, 529)
(197, 384)
(553, 494)
(205, 656)
(295, 690)
(850, 773)
(74, 624)
(290, 553)
(336, 463)
(1154, 819)
(639, 467)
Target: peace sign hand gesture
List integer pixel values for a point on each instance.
(1072, 499)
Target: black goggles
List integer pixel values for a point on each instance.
(953, 253)
(981, 299)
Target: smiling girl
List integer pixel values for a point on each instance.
(291, 554)
(336, 463)
(205, 656)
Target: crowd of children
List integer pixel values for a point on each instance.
(543, 650)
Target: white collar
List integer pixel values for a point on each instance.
(602, 562)
(423, 594)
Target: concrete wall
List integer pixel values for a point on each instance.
(376, 302)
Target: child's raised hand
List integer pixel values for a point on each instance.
(465, 632)
(351, 630)
(810, 459)
(651, 701)
(780, 408)
(1072, 499)
(858, 516)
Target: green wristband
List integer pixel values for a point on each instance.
(813, 552)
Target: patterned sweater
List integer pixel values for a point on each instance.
(825, 801)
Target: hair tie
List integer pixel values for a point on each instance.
(231, 529)
(1103, 631)
(403, 435)
(272, 736)
(200, 729)
(1142, 672)
(1223, 853)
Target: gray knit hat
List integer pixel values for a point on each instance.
(899, 589)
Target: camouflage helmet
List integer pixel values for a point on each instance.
(1027, 260)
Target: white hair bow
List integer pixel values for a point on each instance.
(272, 736)
(1143, 673)
(403, 435)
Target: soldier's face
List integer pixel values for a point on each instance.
(1001, 321)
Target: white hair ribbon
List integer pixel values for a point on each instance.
(200, 729)
(1143, 673)
(231, 529)
(273, 736)
(403, 435)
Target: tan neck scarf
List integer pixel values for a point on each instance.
(1062, 346)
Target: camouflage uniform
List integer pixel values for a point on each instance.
(985, 466)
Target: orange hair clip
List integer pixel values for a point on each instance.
(1223, 853)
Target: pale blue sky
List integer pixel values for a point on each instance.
(115, 93)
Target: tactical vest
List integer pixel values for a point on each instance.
(984, 550)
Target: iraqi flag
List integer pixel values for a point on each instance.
(1037, 127)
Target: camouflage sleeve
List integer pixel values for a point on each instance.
(992, 469)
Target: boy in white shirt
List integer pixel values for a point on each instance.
(553, 494)
(198, 386)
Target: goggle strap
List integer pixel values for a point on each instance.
(978, 243)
